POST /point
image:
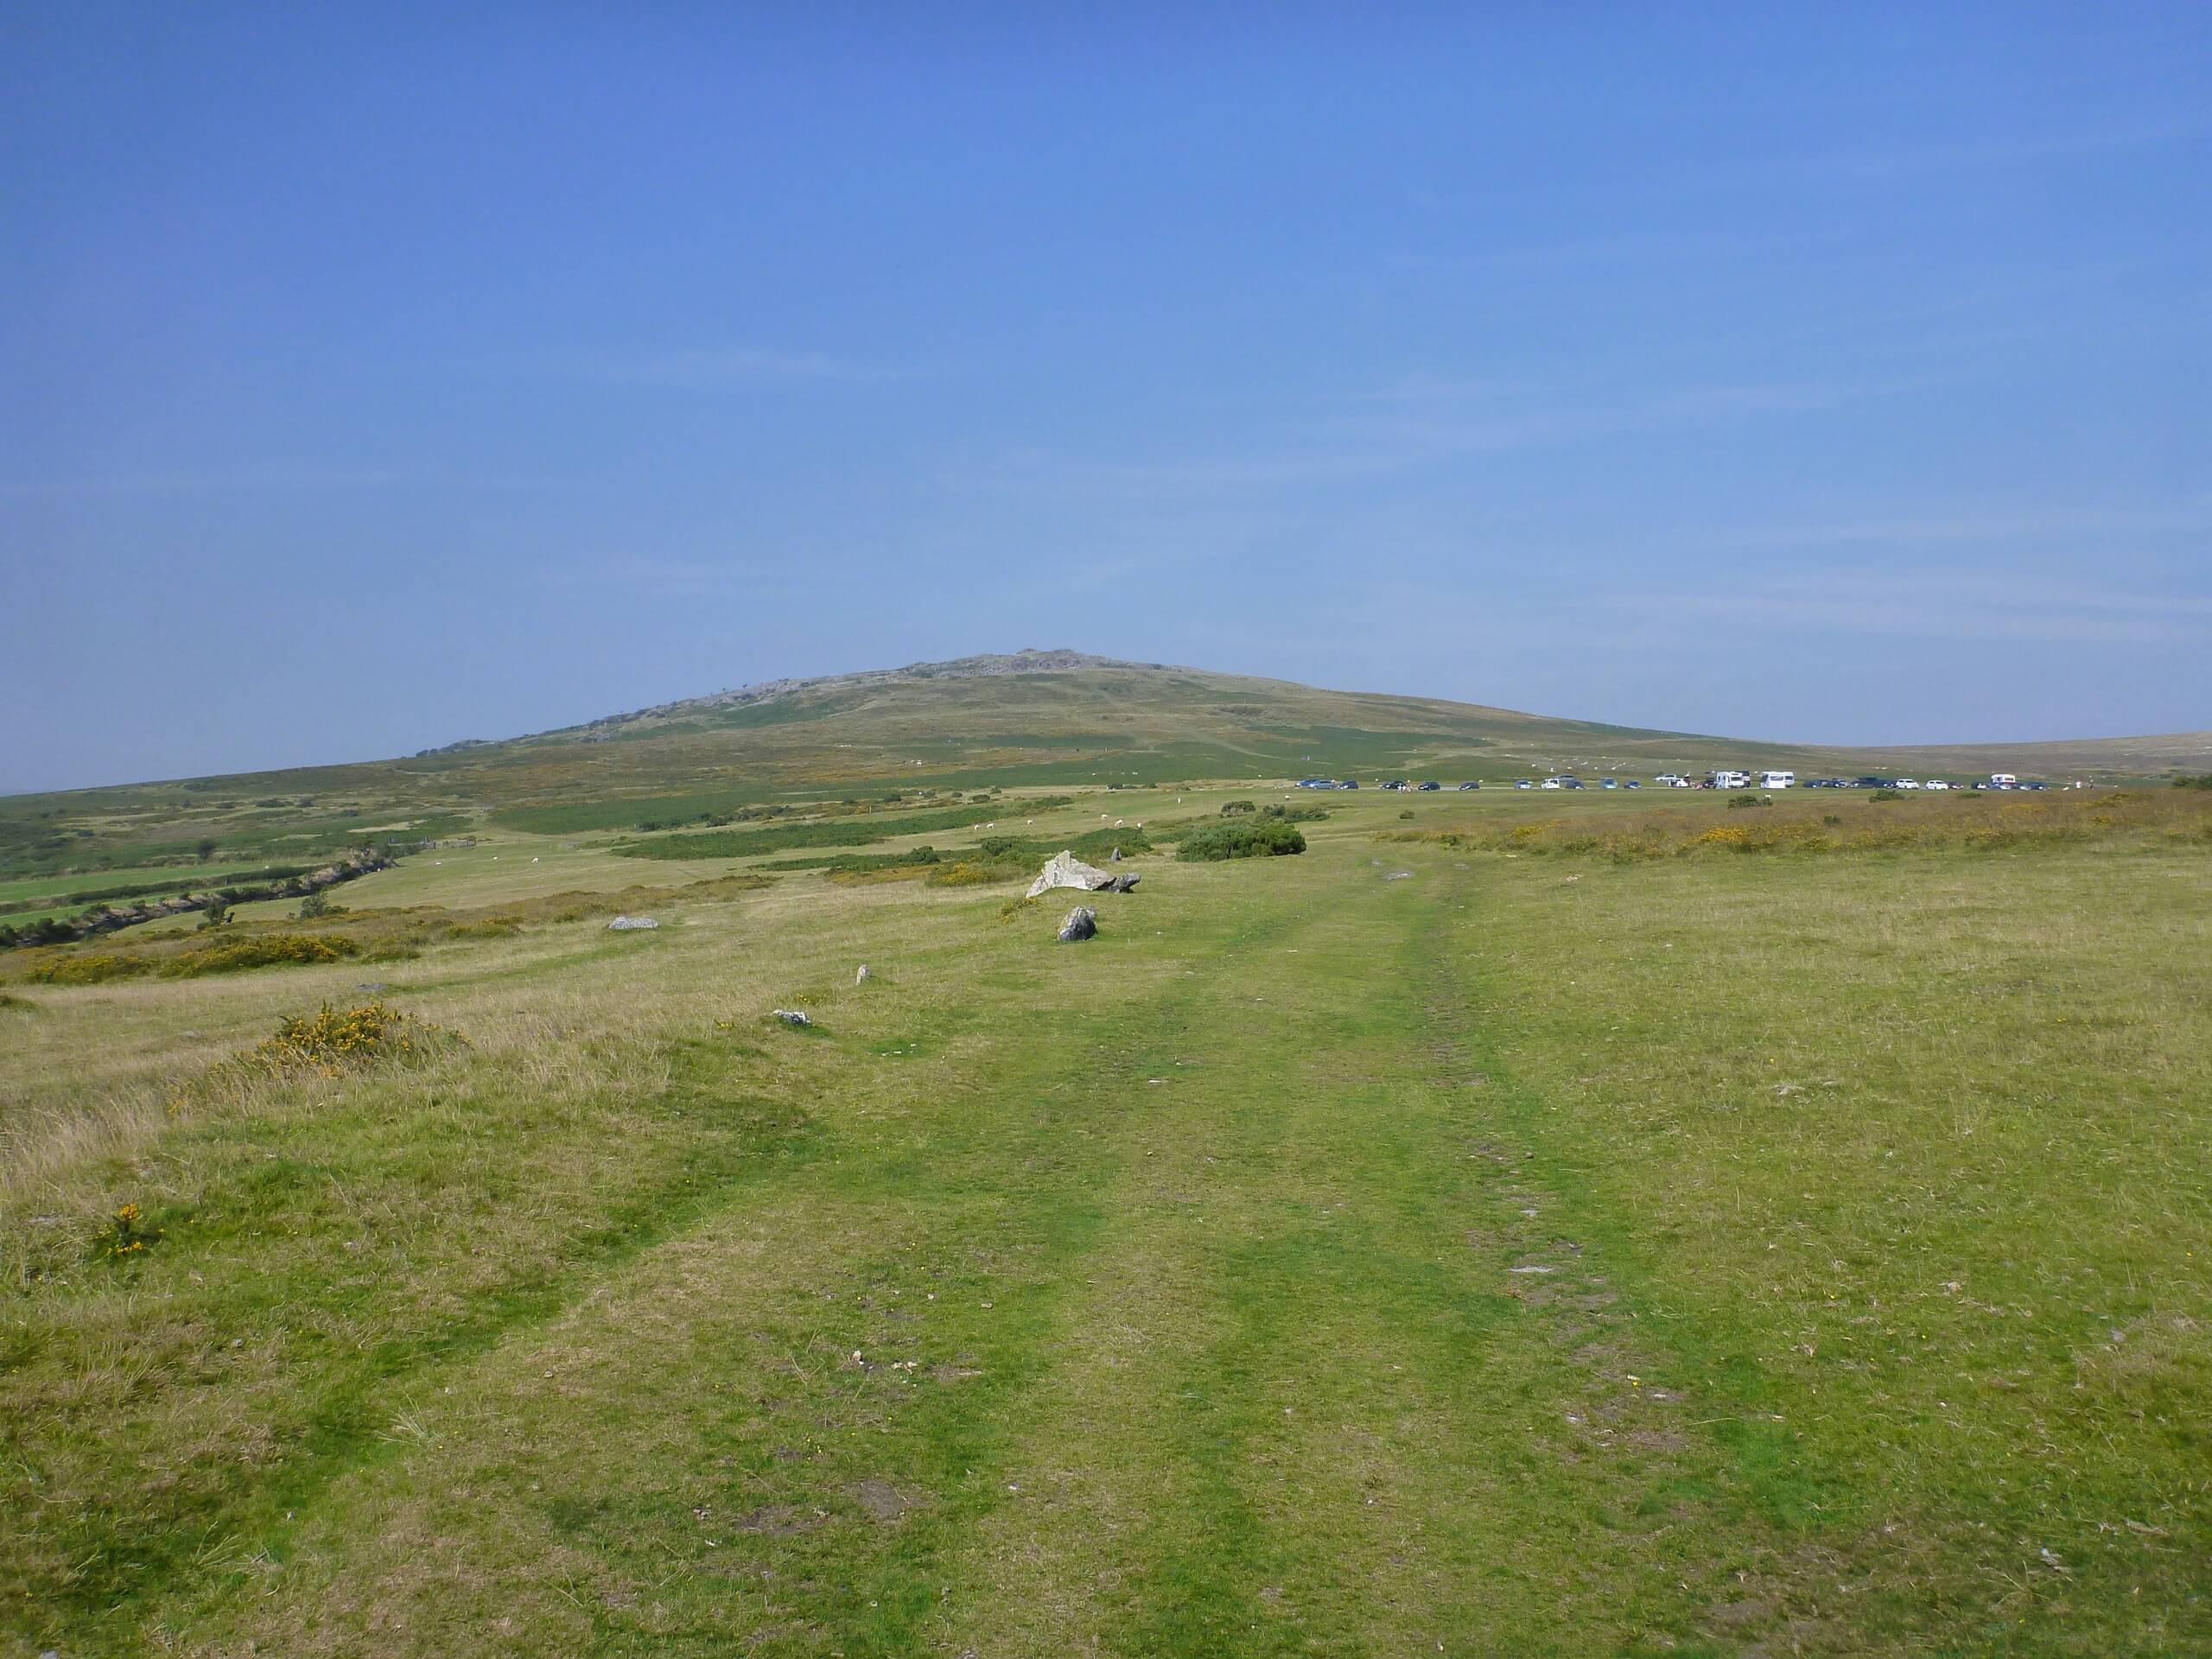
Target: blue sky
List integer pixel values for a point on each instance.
(370, 381)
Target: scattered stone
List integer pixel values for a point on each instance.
(1082, 922)
(1124, 883)
(1114, 857)
(630, 923)
(365, 985)
(793, 1016)
(1399, 875)
(1064, 870)
(861, 978)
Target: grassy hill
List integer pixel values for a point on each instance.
(1033, 719)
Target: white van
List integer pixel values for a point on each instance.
(2003, 781)
(1777, 780)
(1732, 780)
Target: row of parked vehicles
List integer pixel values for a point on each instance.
(1788, 780)
(1723, 779)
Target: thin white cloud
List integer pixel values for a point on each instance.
(2015, 525)
(213, 480)
(1366, 444)
(1934, 604)
(710, 367)
(1883, 166)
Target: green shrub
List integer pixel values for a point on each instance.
(260, 951)
(1749, 800)
(1262, 839)
(2201, 781)
(1232, 809)
(1887, 795)
(490, 927)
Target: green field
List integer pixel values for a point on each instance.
(1542, 1244)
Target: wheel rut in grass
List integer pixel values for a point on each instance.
(1340, 1376)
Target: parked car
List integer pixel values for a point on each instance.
(1935, 783)
(1432, 785)
(1522, 783)
(1476, 785)
(1631, 783)
(1609, 784)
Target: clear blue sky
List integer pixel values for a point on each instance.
(381, 377)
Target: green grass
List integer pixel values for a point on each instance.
(850, 830)
(1404, 1247)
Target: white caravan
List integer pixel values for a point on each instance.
(1777, 780)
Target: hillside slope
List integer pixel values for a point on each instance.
(1033, 717)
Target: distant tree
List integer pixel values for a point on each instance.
(206, 849)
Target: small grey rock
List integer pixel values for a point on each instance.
(861, 978)
(630, 923)
(1082, 922)
(793, 1016)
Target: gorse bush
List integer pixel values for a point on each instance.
(96, 970)
(2201, 780)
(331, 1041)
(261, 951)
(1237, 809)
(124, 1235)
(1264, 838)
